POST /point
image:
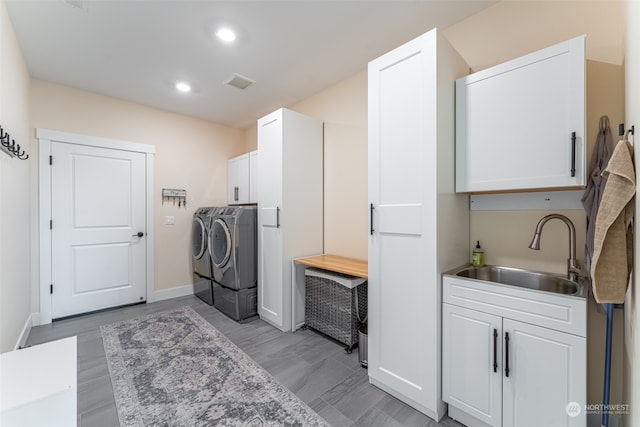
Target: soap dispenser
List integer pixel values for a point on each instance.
(477, 258)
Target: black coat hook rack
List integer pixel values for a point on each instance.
(11, 148)
(631, 130)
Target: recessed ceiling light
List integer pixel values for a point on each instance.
(183, 87)
(226, 34)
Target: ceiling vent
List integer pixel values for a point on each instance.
(239, 81)
(77, 4)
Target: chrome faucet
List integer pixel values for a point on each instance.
(573, 269)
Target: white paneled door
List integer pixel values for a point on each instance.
(98, 210)
(271, 281)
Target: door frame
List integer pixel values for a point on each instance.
(45, 139)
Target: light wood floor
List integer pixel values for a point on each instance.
(316, 369)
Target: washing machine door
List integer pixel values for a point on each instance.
(198, 238)
(220, 243)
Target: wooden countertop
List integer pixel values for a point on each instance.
(339, 264)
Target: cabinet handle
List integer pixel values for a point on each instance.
(371, 230)
(235, 193)
(495, 350)
(506, 354)
(277, 217)
(573, 154)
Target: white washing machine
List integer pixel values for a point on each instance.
(233, 246)
(202, 268)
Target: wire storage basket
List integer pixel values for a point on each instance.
(335, 304)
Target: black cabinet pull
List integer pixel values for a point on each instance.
(235, 193)
(573, 154)
(277, 217)
(371, 230)
(495, 350)
(506, 354)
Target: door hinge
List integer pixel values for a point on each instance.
(50, 224)
(50, 160)
(51, 288)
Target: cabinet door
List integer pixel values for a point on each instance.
(515, 121)
(547, 371)
(238, 180)
(402, 193)
(253, 177)
(472, 363)
(270, 258)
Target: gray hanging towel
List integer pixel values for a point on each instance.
(595, 185)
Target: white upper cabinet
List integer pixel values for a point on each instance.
(521, 125)
(242, 179)
(253, 177)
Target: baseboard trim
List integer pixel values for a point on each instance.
(164, 294)
(24, 334)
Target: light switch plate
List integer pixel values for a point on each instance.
(169, 220)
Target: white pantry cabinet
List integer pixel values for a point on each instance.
(241, 177)
(419, 226)
(521, 125)
(499, 370)
(290, 213)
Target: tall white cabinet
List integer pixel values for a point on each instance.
(419, 226)
(290, 208)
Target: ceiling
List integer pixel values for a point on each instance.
(138, 50)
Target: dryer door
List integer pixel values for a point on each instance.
(198, 238)
(220, 243)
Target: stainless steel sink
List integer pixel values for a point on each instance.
(522, 278)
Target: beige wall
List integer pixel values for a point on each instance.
(632, 302)
(191, 154)
(513, 28)
(343, 109)
(15, 181)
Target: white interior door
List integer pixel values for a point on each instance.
(98, 201)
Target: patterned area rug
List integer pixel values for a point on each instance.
(174, 369)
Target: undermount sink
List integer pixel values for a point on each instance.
(522, 278)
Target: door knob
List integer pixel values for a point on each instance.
(140, 234)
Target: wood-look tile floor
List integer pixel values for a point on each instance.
(316, 369)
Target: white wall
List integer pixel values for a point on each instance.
(191, 154)
(632, 302)
(15, 230)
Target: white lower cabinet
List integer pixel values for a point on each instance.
(502, 372)
(547, 372)
(472, 362)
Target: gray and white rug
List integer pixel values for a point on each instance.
(175, 369)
